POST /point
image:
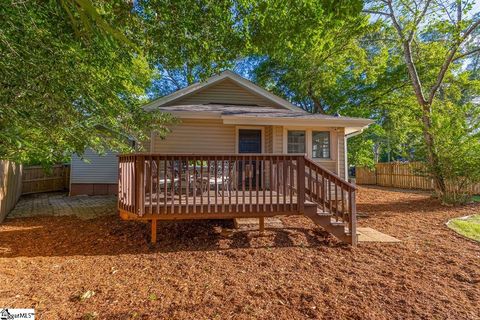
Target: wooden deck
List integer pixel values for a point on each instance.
(238, 205)
(171, 187)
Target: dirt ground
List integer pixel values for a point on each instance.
(103, 268)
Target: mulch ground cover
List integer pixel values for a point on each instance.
(69, 268)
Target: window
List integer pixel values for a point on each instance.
(296, 142)
(321, 144)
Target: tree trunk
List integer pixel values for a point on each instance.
(317, 106)
(432, 156)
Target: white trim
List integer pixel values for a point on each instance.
(355, 125)
(312, 122)
(212, 80)
(262, 129)
(346, 156)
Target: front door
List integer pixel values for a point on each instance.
(249, 141)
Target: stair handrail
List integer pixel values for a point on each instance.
(348, 211)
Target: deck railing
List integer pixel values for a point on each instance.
(189, 186)
(179, 185)
(331, 193)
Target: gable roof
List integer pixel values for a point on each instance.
(242, 82)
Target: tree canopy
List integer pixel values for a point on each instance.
(75, 73)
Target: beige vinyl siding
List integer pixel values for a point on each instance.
(101, 169)
(268, 139)
(277, 139)
(225, 92)
(197, 136)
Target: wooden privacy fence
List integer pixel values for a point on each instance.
(411, 175)
(10, 186)
(36, 179)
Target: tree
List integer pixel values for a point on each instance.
(422, 26)
(187, 41)
(74, 75)
(66, 86)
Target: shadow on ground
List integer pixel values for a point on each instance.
(108, 235)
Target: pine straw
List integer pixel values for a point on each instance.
(198, 272)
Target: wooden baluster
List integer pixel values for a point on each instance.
(342, 191)
(264, 168)
(301, 184)
(278, 183)
(250, 178)
(150, 178)
(208, 185)
(257, 181)
(201, 185)
(187, 183)
(291, 180)
(284, 183)
(223, 183)
(180, 169)
(194, 180)
(165, 176)
(324, 193)
(216, 183)
(310, 188)
(157, 161)
(237, 170)
(172, 185)
(271, 182)
(232, 182)
(126, 183)
(336, 199)
(244, 163)
(317, 192)
(330, 195)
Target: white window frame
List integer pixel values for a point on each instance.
(308, 142)
(329, 145)
(286, 148)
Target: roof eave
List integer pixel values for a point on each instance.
(360, 122)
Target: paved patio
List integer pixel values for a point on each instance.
(60, 204)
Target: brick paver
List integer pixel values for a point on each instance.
(60, 204)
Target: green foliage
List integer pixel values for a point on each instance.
(67, 84)
(198, 38)
(457, 129)
(468, 227)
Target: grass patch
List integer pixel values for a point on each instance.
(467, 227)
(476, 198)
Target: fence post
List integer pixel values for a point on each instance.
(301, 183)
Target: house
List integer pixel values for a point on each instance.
(237, 136)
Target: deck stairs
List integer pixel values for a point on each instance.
(335, 200)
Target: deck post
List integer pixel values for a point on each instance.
(301, 183)
(154, 231)
(353, 218)
(261, 225)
